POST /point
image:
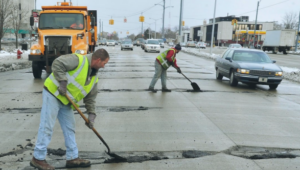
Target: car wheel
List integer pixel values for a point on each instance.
(273, 86)
(132, 49)
(233, 81)
(218, 75)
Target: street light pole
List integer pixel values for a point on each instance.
(213, 28)
(155, 24)
(163, 21)
(180, 21)
(296, 45)
(255, 24)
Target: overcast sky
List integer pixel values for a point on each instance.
(194, 11)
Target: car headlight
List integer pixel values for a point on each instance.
(37, 51)
(80, 51)
(243, 71)
(278, 73)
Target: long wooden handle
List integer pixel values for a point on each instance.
(87, 121)
(186, 77)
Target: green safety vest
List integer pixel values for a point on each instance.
(76, 88)
(162, 58)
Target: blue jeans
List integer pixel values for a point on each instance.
(52, 108)
(160, 72)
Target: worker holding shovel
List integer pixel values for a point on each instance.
(163, 61)
(73, 75)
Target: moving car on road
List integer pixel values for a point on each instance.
(102, 42)
(127, 45)
(152, 45)
(248, 66)
(139, 41)
(110, 42)
(190, 44)
(161, 43)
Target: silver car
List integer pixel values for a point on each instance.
(110, 42)
(127, 45)
(152, 45)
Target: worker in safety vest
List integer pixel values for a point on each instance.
(78, 24)
(75, 75)
(162, 63)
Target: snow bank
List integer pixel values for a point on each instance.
(9, 61)
(292, 74)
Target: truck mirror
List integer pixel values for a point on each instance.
(93, 21)
(31, 21)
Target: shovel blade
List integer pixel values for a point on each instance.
(195, 86)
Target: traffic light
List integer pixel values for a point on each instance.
(111, 22)
(183, 23)
(142, 18)
(127, 32)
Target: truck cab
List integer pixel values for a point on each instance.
(62, 29)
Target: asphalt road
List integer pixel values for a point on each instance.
(222, 127)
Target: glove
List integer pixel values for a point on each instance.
(91, 119)
(178, 70)
(62, 87)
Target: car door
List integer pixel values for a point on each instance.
(220, 63)
(228, 63)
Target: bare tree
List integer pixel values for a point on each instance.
(17, 17)
(290, 20)
(5, 8)
(277, 26)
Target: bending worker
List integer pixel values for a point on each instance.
(75, 75)
(162, 63)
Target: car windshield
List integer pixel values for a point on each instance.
(126, 42)
(110, 41)
(152, 42)
(61, 21)
(191, 42)
(251, 56)
(161, 41)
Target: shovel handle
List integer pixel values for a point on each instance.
(87, 121)
(186, 77)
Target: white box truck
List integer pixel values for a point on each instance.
(279, 40)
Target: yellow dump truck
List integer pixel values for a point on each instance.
(62, 29)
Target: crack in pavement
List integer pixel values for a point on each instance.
(57, 158)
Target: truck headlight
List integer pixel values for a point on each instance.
(278, 73)
(243, 71)
(80, 51)
(38, 51)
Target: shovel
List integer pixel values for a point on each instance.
(95, 131)
(194, 85)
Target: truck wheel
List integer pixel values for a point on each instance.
(274, 51)
(36, 69)
(284, 52)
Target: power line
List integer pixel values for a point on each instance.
(265, 7)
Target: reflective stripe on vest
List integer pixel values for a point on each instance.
(162, 57)
(76, 87)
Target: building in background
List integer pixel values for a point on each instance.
(225, 33)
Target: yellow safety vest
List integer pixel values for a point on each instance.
(76, 87)
(162, 58)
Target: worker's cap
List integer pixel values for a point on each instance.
(178, 47)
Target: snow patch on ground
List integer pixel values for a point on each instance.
(9, 61)
(292, 74)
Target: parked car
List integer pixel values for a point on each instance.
(201, 45)
(235, 46)
(134, 43)
(248, 66)
(116, 42)
(127, 45)
(190, 44)
(110, 42)
(183, 44)
(142, 44)
(171, 44)
(152, 45)
(102, 42)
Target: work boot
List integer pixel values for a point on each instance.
(74, 163)
(166, 90)
(41, 165)
(152, 89)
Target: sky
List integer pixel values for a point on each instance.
(194, 12)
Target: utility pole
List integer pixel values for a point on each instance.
(213, 28)
(296, 46)
(255, 24)
(100, 29)
(163, 21)
(180, 21)
(142, 27)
